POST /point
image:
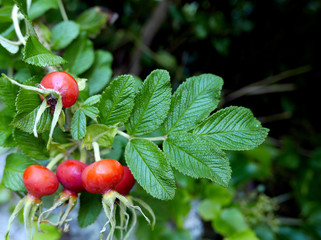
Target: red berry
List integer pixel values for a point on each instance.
(127, 183)
(65, 84)
(69, 175)
(39, 181)
(102, 176)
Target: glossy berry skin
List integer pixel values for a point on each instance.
(39, 181)
(69, 175)
(102, 176)
(127, 183)
(65, 84)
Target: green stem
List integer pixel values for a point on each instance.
(62, 10)
(83, 155)
(125, 135)
(161, 138)
(55, 160)
(96, 151)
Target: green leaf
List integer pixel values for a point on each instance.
(208, 209)
(30, 145)
(27, 104)
(151, 104)
(197, 157)
(8, 93)
(138, 83)
(6, 59)
(39, 7)
(63, 34)
(150, 168)
(246, 234)
(6, 138)
(92, 21)
(230, 221)
(233, 128)
(101, 134)
(91, 100)
(117, 100)
(193, 101)
(91, 111)
(5, 14)
(49, 232)
(25, 121)
(100, 72)
(78, 125)
(36, 54)
(80, 56)
(90, 208)
(218, 194)
(16, 163)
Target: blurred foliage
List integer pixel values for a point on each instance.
(274, 191)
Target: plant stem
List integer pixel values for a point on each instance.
(62, 10)
(160, 138)
(96, 151)
(54, 161)
(83, 155)
(125, 135)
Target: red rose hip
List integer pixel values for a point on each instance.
(127, 183)
(39, 181)
(102, 176)
(63, 83)
(69, 175)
